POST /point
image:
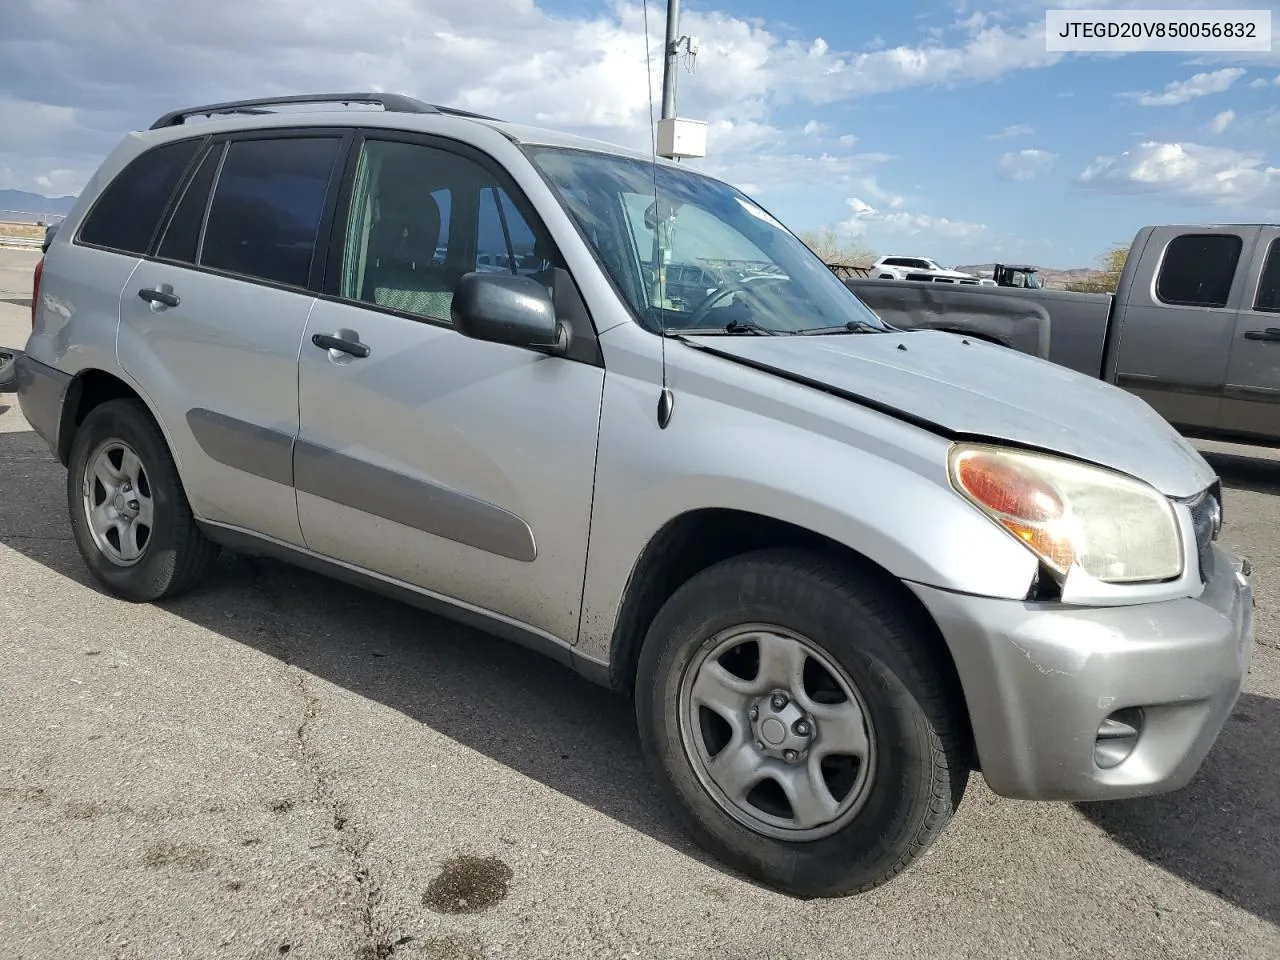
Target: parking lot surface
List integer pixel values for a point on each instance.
(281, 765)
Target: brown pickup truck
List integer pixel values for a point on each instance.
(1193, 327)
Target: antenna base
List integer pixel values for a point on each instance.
(666, 403)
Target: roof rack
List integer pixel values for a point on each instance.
(390, 102)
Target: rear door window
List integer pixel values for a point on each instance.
(265, 215)
(127, 214)
(1198, 269)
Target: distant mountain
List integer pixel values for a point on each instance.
(20, 206)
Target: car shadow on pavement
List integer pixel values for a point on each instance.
(511, 704)
(1222, 831)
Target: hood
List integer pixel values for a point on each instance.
(984, 391)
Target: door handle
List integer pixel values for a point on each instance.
(329, 342)
(1271, 334)
(159, 296)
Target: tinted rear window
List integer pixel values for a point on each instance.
(267, 208)
(1198, 269)
(128, 212)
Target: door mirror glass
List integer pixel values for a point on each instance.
(507, 308)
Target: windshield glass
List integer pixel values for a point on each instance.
(703, 257)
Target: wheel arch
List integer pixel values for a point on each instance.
(91, 388)
(697, 539)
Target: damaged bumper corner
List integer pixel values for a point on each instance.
(1074, 703)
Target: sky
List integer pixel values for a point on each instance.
(939, 128)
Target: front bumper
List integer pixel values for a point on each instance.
(1040, 680)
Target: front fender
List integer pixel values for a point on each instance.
(875, 484)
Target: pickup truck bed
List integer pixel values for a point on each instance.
(1018, 318)
(1193, 327)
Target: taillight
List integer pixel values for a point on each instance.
(35, 290)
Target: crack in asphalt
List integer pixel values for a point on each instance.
(353, 840)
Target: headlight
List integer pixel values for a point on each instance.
(1116, 529)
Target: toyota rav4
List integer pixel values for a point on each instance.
(838, 566)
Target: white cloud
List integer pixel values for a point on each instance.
(872, 188)
(743, 136)
(1012, 131)
(122, 64)
(1026, 164)
(1233, 181)
(1200, 85)
(1220, 122)
(865, 218)
(773, 171)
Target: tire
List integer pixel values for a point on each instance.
(172, 553)
(914, 767)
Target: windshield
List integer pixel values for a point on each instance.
(703, 257)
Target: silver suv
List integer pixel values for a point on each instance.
(837, 571)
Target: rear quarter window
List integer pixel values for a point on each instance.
(128, 212)
(1198, 269)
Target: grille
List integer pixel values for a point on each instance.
(1206, 517)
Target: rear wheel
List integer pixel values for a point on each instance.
(799, 722)
(129, 514)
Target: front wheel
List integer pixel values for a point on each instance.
(799, 721)
(129, 513)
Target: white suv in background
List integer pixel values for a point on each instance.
(899, 268)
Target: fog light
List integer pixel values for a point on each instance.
(1117, 736)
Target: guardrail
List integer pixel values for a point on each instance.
(31, 216)
(33, 242)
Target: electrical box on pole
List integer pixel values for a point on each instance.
(679, 138)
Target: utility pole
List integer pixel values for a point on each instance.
(672, 49)
(677, 137)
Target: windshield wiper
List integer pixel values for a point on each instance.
(749, 326)
(852, 326)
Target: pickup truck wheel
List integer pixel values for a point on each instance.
(129, 514)
(797, 721)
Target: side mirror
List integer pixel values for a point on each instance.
(49, 231)
(507, 308)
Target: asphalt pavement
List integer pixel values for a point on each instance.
(281, 765)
